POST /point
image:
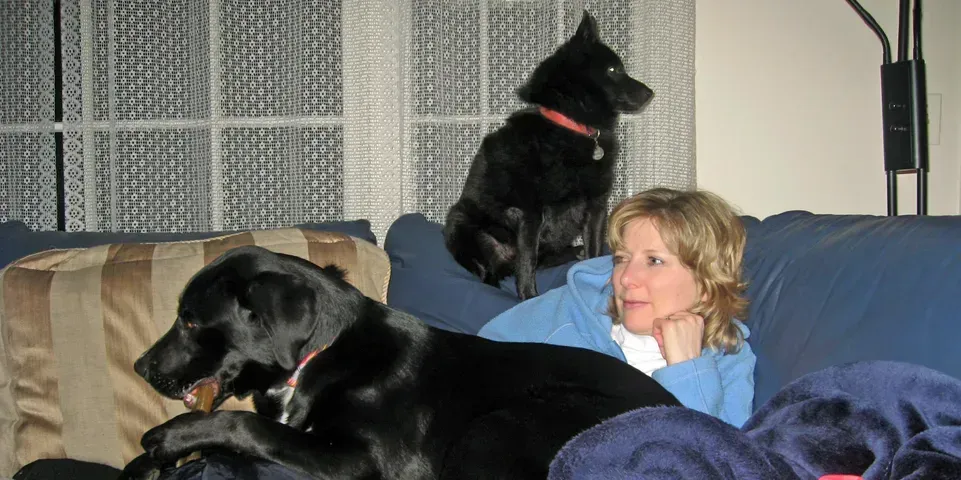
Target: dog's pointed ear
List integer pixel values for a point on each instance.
(587, 30)
(282, 306)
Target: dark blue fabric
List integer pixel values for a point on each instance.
(232, 467)
(428, 283)
(17, 241)
(881, 420)
(65, 469)
(831, 289)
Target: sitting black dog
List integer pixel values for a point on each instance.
(346, 387)
(545, 176)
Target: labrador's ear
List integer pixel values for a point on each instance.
(335, 271)
(283, 306)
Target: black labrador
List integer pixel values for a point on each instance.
(346, 387)
(544, 178)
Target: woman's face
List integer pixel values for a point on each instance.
(649, 281)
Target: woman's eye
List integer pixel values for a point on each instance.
(654, 261)
(619, 259)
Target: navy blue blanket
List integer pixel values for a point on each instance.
(876, 419)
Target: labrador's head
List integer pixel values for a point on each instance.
(242, 324)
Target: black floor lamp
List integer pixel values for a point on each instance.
(904, 114)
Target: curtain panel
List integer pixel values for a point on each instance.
(198, 115)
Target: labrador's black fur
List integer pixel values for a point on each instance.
(389, 398)
(534, 186)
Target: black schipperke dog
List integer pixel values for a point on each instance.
(545, 177)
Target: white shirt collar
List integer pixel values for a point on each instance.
(641, 351)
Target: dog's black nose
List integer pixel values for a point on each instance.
(140, 366)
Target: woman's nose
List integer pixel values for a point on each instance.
(632, 276)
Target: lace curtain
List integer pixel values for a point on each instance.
(195, 115)
(28, 173)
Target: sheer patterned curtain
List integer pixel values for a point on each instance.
(28, 176)
(190, 115)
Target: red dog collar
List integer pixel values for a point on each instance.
(295, 378)
(565, 121)
(292, 381)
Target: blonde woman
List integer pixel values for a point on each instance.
(667, 301)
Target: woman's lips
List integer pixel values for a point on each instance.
(632, 304)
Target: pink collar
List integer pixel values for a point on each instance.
(565, 121)
(292, 381)
(295, 377)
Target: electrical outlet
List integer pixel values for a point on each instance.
(934, 119)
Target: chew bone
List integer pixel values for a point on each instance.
(205, 401)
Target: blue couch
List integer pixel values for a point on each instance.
(824, 290)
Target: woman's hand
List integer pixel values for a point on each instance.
(680, 336)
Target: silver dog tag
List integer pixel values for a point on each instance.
(598, 152)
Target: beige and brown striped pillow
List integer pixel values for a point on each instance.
(72, 322)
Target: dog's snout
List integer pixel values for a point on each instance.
(646, 95)
(634, 99)
(141, 366)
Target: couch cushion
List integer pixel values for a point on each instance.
(428, 283)
(829, 289)
(73, 321)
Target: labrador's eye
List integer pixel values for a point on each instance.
(186, 318)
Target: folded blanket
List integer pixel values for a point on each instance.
(876, 419)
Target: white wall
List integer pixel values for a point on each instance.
(789, 109)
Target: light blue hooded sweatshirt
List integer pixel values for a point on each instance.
(575, 315)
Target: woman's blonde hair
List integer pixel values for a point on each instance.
(708, 237)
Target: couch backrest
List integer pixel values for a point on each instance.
(427, 282)
(829, 289)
